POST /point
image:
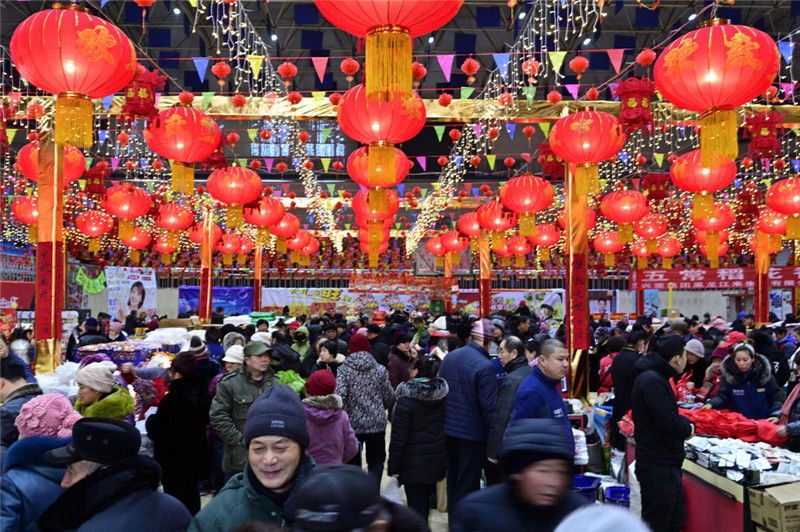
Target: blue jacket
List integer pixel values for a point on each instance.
(754, 394)
(539, 397)
(9, 412)
(29, 484)
(471, 379)
(787, 346)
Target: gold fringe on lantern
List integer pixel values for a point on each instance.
(718, 136)
(32, 234)
(174, 238)
(641, 263)
(166, 258)
(625, 233)
(380, 156)
(666, 263)
(73, 120)
(234, 215)
(94, 245)
(241, 258)
(652, 245)
(305, 260)
(294, 256)
(527, 224)
(280, 245)
(498, 240)
(712, 248)
(373, 260)
(505, 260)
(376, 198)
(438, 261)
(543, 254)
(473, 244)
(608, 260)
(134, 255)
(388, 54)
(587, 179)
(182, 177)
(227, 259)
(520, 262)
(455, 258)
(775, 243)
(793, 227)
(262, 236)
(702, 205)
(126, 227)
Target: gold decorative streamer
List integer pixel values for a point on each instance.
(388, 56)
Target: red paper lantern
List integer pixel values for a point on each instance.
(579, 64)
(287, 71)
(28, 162)
(285, 229)
(651, 226)
(139, 239)
(763, 129)
(24, 209)
(358, 167)
(94, 224)
(518, 245)
(713, 70)
(308, 250)
(435, 248)
(495, 218)
(229, 244)
(174, 218)
(552, 166)
(774, 225)
(454, 242)
(127, 203)
(77, 56)
(370, 213)
(689, 174)
(300, 239)
(371, 121)
(185, 135)
(470, 67)
(140, 95)
(526, 195)
(668, 246)
(165, 245)
(608, 244)
(361, 16)
(624, 207)
(591, 219)
(721, 218)
(546, 235)
(640, 251)
(784, 197)
(263, 213)
(635, 96)
(234, 186)
(196, 233)
(585, 138)
(221, 69)
(349, 67)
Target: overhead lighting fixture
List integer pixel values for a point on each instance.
(176, 11)
(587, 41)
(522, 15)
(274, 37)
(430, 39)
(693, 16)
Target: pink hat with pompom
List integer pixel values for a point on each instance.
(50, 414)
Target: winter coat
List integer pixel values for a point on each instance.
(417, 450)
(470, 376)
(207, 369)
(29, 484)
(697, 372)
(236, 391)
(10, 410)
(540, 397)
(92, 338)
(499, 508)
(364, 387)
(312, 364)
(178, 430)
(121, 497)
(399, 367)
(517, 370)
(116, 405)
(121, 337)
(380, 351)
(239, 502)
(754, 394)
(304, 348)
(623, 375)
(659, 429)
(332, 440)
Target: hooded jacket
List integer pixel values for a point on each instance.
(116, 405)
(754, 394)
(516, 370)
(399, 367)
(364, 387)
(10, 410)
(29, 484)
(301, 348)
(660, 430)
(417, 449)
(332, 438)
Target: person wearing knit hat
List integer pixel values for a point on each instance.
(115, 333)
(536, 459)
(708, 390)
(50, 414)
(696, 363)
(276, 438)
(234, 358)
(207, 368)
(332, 439)
(358, 343)
(98, 393)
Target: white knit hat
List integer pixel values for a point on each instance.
(234, 355)
(98, 376)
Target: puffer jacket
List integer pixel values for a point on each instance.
(470, 376)
(364, 387)
(116, 405)
(29, 484)
(10, 410)
(516, 369)
(236, 391)
(417, 449)
(754, 394)
(332, 440)
(304, 348)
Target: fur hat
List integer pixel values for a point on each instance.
(50, 414)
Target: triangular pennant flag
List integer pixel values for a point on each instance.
(465, 92)
(252, 134)
(422, 163)
(682, 130)
(446, 63)
(623, 156)
(659, 158)
(326, 162)
(103, 3)
(796, 165)
(423, 192)
(193, 3)
(573, 89)
(511, 128)
(457, 159)
(347, 226)
(439, 132)
(636, 183)
(201, 65)
(143, 162)
(491, 159)
(477, 129)
(401, 189)
(242, 162)
(89, 162)
(501, 60)
(788, 90)
(529, 93)
(114, 163)
(318, 96)
(11, 133)
(268, 164)
(525, 157)
(326, 131)
(615, 56)
(556, 59)
(207, 99)
(277, 193)
(107, 101)
(545, 128)
(82, 183)
(786, 49)
(765, 163)
(255, 63)
(102, 135)
(320, 64)
(285, 187)
(476, 191)
(332, 189)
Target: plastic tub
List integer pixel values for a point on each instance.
(586, 487)
(618, 495)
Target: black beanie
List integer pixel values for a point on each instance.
(277, 412)
(531, 440)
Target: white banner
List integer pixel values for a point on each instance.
(311, 301)
(130, 289)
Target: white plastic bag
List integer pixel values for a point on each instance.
(581, 450)
(392, 492)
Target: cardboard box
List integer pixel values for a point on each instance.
(776, 508)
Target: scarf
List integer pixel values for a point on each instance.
(787, 405)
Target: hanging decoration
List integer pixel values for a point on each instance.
(635, 96)
(89, 285)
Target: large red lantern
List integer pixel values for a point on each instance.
(689, 174)
(634, 96)
(368, 170)
(174, 218)
(668, 246)
(454, 242)
(495, 218)
(263, 213)
(284, 229)
(94, 224)
(546, 235)
(624, 207)
(127, 203)
(139, 239)
(229, 244)
(308, 250)
(468, 225)
(608, 244)
(713, 70)
(369, 122)
(76, 56)
(519, 246)
(196, 233)
(166, 247)
(435, 248)
(185, 135)
(246, 245)
(784, 197)
(25, 210)
(28, 162)
(298, 242)
(651, 226)
(773, 224)
(721, 218)
(234, 186)
(586, 138)
(526, 195)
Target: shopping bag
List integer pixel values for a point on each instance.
(581, 451)
(392, 492)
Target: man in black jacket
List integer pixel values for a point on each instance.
(622, 376)
(512, 356)
(660, 433)
(378, 348)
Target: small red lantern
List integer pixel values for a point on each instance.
(229, 244)
(547, 235)
(608, 244)
(234, 186)
(308, 250)
(773, 224)
(552, 166)
(127, 203)
(519, 246)
(94, 224)
(495, 218)
(667, 246)
(287, 71)
(531, 67)
(526, 195)
(166, 247)
(721, 218)
(418, 71)
(139, 239)
(470, 68)
(173, 218)
(784, 197)
(651, 226)
(624, 207)
(640, 251)
(263, 213)
(285, 229)
(196, 233)
(689, 174)
(349, 67)
(300, 239)
(635, 96)
(445, 99)
(25, 210)
(221, 69)
(435, 248)
(579, 64)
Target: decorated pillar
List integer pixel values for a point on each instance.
(259, 259)
(639, 302)
(448, 281)
(485, 283)
(761, 295)
(49, 300)
(576, 305)
(206, 255)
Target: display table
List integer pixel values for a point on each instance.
(713, 501)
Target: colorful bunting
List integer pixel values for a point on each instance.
(446, 64)
(326, 132)
(545, 127)
(320, 64)
(439, 132)
(501, 60)
(659, 158)
(207, 99)
(422, 163)
(465, 92)
(615, 56)
(256, 61)
(491, 160)
(511, 128)
(326, 162)
(529, 93)
(573, 89)
(268, 164)
(786, 49)
(556, 59)
(201, 65)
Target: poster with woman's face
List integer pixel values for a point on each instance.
(131, 290)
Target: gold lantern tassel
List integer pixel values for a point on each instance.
(793, 227)
(125, 230)
(652, 246)
(227, 259)
(376, 199)
(262, 236)
(234, 215)
(718, 136)
(294, 256)
(280, 245)
(666, 263)
(775, 243)
(134, 255)
(182, 177)
(305, 260)
(32, 234)
(166, 258)
(380, 156)
(388, 54)
(438, 261)
(641, 262)
(520, 262)
(455, 258)
(702, 205)
(527, 224)
(241, 259)
(608, 259)
(473, 244)
(498, 240)
(73, 120)
(587, 179)
(373, 260)
(625, 233)
(544, 254)
(94, 244)
(712, 248)
(505, 260)
(173, 238)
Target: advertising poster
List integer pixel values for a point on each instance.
(780, 302)
(234, 299)
(547, 304)
(651, 303)
(312, 301)
(130, 289)
(602, 303)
